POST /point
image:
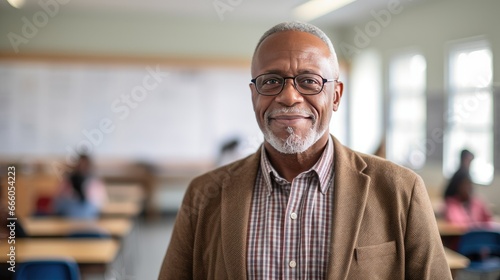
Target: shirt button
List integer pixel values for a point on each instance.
(293, 216)
(292, 264)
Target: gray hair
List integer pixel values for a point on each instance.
(303, 27)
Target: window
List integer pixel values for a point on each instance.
(365, 103)
(469, 119)
(407, 110)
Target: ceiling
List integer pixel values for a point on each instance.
(223, 10)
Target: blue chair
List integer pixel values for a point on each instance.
(482, 247)
(54, 269)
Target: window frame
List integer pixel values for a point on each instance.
(451, 158)
(418, 153)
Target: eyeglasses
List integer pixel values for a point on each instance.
(305, 84)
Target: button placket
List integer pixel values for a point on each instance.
(292, 228)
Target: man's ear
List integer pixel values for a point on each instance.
(337, 95)
(254, 95)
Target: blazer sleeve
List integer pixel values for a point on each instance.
(178, 261)
(424, 253)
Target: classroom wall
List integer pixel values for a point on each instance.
(154, 113)
(429, 26)
(130, 34)
(194, 52)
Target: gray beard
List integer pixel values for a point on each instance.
(293, 144)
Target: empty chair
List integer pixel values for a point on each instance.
(482, 247)
(60, 269)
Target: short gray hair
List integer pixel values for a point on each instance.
(303, 27)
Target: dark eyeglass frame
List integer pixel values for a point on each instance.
(324, 81)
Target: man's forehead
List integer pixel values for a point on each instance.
(285, 45)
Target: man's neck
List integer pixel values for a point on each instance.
(291, 165)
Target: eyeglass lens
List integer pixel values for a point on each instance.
(272, 84)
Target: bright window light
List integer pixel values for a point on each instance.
(365, 99)
(469, 120)
(18, 4)
(407, 110)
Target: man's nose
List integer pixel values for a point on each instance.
(289, 96)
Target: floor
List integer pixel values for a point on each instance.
(142, 253)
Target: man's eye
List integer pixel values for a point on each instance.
(309, 81)
(271, 82)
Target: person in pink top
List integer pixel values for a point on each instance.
(462, 208)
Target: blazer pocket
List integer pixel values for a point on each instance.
(375, 251)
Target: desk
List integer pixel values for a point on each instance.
(60, 227)
(450, 233)
(448, 229)
(125, 192)
(455, 261)
(121, 208)
(92, 255)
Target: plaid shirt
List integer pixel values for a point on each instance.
(290, 223)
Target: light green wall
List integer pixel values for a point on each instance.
(429, 26)
(106, 33)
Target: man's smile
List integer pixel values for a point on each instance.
(290, 119)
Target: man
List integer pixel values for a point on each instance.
(304, 206)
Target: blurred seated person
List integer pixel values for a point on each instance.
(466, 158)
(462, 208)
(81, 194)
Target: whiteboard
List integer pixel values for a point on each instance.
(148, 112)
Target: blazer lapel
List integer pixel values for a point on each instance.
(237, 190)
(351, 190)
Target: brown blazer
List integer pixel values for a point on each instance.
(383, 223)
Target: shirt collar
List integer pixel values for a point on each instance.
(323, 168)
